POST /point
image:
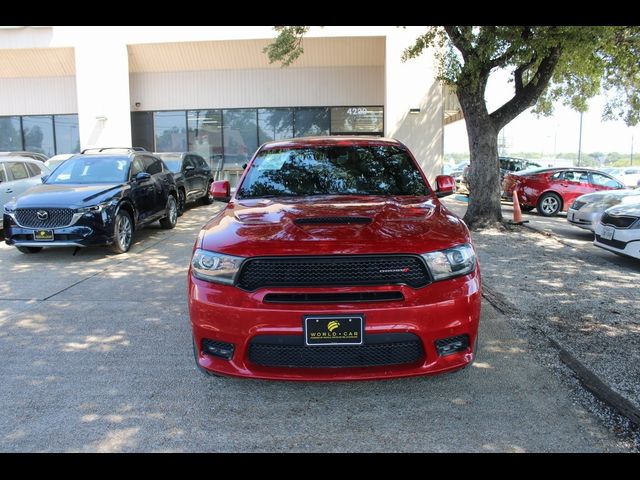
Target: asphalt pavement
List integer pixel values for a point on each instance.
(96, 357)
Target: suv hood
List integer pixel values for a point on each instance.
(67, 195)
(310, 226)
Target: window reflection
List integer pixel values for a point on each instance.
(376, 170)
(357, 120)
(240, 136)
(10, 135)
(205, 135)
(311, 121)
(274, 124)
(170, 130)
(38, 134)
(67, 135)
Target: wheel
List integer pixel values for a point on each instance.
(526, 208)
(170, 219)
(549, 204)
(208, 198)
(181, 202)
(195, 357)
(29, 249)
(123, 232)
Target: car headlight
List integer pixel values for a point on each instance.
(451, 262)
(215, 267)
(93, 208)
(10, 208)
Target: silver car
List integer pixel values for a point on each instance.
(17, 174)
(586, 210)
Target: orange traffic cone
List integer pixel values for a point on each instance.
(517, 214)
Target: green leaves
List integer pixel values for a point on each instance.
(287, 46)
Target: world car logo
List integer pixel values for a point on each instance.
(333, 324)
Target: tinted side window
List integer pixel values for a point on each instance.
(603, 181)
(136, 167)
(188, 162)
(200, 161)
(34, 169)
(18, 170)
(3, 176)
(557, 176)
(152, 165)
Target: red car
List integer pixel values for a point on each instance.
(551, 190)
(334, 260)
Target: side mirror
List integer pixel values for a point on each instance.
(142, 176)
(221, 190)
(188, 168)
(43, 178)
(244, 166)
(445, 185)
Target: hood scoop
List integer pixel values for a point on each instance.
(333, 221)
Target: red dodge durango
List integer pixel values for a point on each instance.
(334, 260)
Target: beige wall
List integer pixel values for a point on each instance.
(286, 87)
(38, 95)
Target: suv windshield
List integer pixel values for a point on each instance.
(90, 169)
(336, 170)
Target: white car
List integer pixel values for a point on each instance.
(17, 174)
(586, 210)
(630, 176)
(619, 230)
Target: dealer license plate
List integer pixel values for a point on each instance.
(607, 233)
(333, 330)
(43, 235)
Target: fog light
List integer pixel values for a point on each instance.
(218, 349)
(447, 346)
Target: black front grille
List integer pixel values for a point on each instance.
(612, 243)
(333, 297)
(322, 271)
(620, 222)
(578, 205)
(47, 218)
(378, 350)
(332, 220)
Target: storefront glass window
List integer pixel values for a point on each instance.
(38, 134)
(10, 135)
(67, 135)
(311, 121)
(357, 120)
(205, 135)
(274, 124)
(170, 129)
(240, 136)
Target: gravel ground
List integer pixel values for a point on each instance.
(587, 304)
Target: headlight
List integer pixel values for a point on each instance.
(451, 262)
(10, 208)
(215, 267)
(93, 208)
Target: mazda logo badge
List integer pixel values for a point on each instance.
(42, 214)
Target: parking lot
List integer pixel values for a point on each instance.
(96, 356)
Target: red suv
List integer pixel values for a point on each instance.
(552, 190)
(334, 260)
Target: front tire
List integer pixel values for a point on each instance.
(208, 198)
(549, 204)
(171, 217)
(123, 233)
(182, 200)
(29, 249)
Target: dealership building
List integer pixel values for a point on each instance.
(211, 90)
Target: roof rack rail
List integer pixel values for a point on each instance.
(129, 149)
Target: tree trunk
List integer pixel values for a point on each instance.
(483, 178)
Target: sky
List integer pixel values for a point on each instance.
(559, 133)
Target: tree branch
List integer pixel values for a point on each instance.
(501, 60)
(518, 74)
(458, 40)
(527, 95)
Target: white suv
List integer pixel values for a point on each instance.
(17, 174)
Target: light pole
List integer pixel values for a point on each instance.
(580, 141)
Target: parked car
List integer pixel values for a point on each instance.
(56, 160)
(630, 176)
(19, 153)
(507, 165)
(586, 210)
(18, 174)
(93, 199)
(551, 190)
(619, 230)
(192, 175)
(334, 259)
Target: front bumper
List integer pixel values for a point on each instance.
(89, 230)
(625, 241)
(440, 310)
(583, 218)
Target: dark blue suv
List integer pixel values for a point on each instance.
(99, 197)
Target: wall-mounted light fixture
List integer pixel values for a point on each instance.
(414, 111)
(137, 104)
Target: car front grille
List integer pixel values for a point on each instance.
(620, 222)
(44, 217)
(378, 350)
(578, 205)
(325, 271)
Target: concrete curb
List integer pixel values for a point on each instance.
(590, 380)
